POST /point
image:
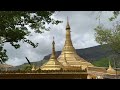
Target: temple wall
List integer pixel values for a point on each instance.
(43, 76)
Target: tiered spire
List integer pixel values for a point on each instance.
(68, 41)
(53, 56)
(52, 63)
(69, 56)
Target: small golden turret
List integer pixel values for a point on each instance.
(33, 67)
(110, 70)
(52, 63)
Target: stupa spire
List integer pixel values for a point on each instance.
(109, 64)
(52, 63)
(68, 56)
(67, 26)
(110, 69)
(53, 56)
(68, 41)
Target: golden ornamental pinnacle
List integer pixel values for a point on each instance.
(53, 41)
(53, 50)
(110, 70)
(109, 64)
(67, 26)
(53, 47)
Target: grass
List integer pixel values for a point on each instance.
(103, 62)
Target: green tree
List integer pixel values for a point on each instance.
(115, 15)
(13, 27)
(111, 37)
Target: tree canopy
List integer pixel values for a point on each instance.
(109, 36)
(13, 27)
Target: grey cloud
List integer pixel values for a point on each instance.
(82, 26)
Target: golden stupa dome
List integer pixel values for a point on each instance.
(110, 70)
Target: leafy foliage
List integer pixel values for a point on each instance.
(13, 27)
(115, 15)
(110, 37)
(102, 35)
(3, 55)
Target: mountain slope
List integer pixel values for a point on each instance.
(97, 55)
(90, 54)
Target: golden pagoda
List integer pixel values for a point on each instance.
(110, 70)
(69, 56)
(52, 63)
(33, 68)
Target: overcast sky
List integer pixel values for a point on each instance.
(82, 25)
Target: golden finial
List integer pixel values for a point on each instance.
(53, 40)
(109, 64)
(53, 49)
(67, 19)
(68, 26)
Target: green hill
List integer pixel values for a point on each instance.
(103, 62)
(97, 55)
